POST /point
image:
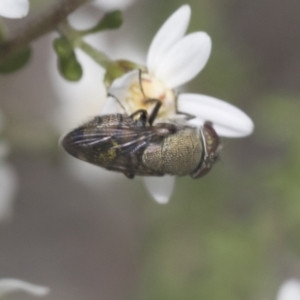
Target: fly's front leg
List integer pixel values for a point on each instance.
(157, 106)
(155, 110)
(118, 101)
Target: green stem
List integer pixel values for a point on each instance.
(75, 38)
(38, 27)
(99, 57)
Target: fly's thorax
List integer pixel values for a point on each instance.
(177, 154)
(139, 92)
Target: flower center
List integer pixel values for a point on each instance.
(151, 88)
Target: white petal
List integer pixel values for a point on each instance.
(13, 285)
(14, 8)
(120, 87)
(290, 290)
(8, 188)
(170, 32)
(109, 5)
(185, 59)
(160, 188)
(123, 82)
(111, 106)
(228, 120)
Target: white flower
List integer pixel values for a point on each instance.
(14, 9)
(9, 285)
(173, 59)
(290, 290)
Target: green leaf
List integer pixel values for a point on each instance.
(118, 68)
(68, 64)
(15, 61)
(63, 48)
(112, 20)
(70, 68)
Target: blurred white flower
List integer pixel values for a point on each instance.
(108, 5)
(80, 101)
(14, 9)
(173, 59)
(8, 179)
(10, 285)
(8, 187)
(290, 290)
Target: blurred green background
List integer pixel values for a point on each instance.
(232, 235)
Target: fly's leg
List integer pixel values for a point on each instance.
(144, 118)
(155, 110)
(141, 86)
(187, 115)
(119, 102)
(157, 106)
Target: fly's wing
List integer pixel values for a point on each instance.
(118, 148)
